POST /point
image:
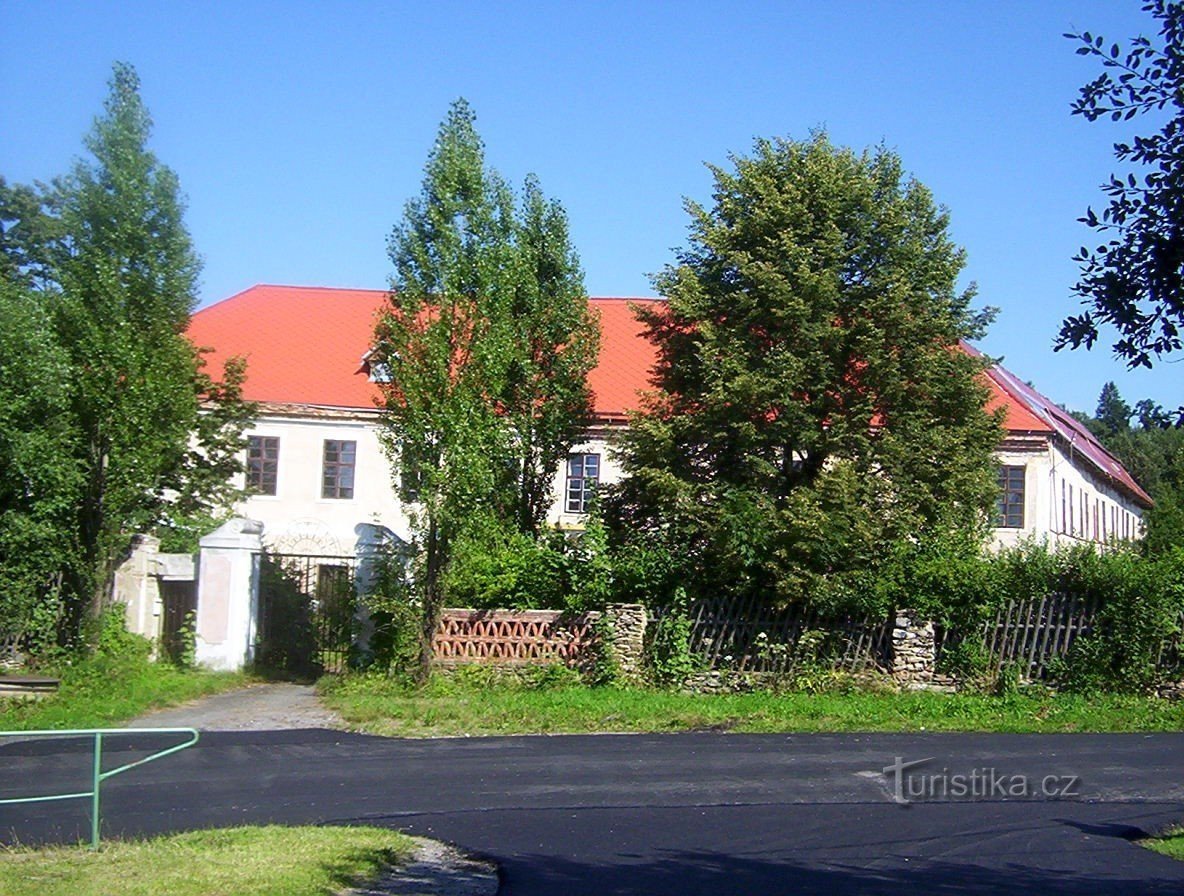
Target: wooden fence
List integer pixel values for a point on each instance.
(746, 635)
(1029, 633)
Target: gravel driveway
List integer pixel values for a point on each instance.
(260, 707)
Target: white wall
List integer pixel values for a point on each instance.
(297, 518)
(1064, 501)
(598, 442)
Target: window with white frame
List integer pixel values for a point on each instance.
(583, 476)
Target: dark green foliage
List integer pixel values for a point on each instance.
(42, 479)
(812, 408)
(99, 279)
(492, 566)
(1153, 452)
(1143, 603)
(288, 645)
(1135, 280)
(394, 615)
(1139, 599)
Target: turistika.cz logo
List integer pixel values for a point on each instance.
(909, 784)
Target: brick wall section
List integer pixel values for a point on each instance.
(526, 637)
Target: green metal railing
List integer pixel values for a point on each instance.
(98, 776)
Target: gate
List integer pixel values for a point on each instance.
(178, 599)
(306, 613)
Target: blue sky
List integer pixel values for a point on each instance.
(300, 129)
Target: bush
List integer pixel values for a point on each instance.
(668, 651)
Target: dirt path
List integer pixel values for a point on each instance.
(260, 707)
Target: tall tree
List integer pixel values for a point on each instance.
(127, 272)
(41, 480)
(812, 408)
(547, 398)
(1135, 280)
(107, 258)
(1112, 412)
(444, 342)
(483, 350)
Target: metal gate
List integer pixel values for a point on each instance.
(306, 613)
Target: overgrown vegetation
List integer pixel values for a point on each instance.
(246, 861)
(113, 684)
(102, 428)
(811, 409)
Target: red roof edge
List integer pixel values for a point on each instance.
(1067, 429)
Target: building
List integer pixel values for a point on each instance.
(320, 480)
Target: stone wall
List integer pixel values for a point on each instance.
(914, 650)
(626, 624)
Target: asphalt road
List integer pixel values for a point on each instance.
(681, 813)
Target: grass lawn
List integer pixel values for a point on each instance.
(1170, 844)
(104, 692)
(460, 706)
(268, 861)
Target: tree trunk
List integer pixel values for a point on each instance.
(433, 600)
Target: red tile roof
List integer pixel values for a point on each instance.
(304, 345)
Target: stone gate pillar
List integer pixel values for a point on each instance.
(228, 595)
(136, 588)
(914, 650)
(627, 623)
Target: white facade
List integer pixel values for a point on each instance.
(298, 517)
(1064, 500)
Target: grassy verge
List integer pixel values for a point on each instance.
(459, 706)
(1170, 844)
(105, 691)
(267, 861)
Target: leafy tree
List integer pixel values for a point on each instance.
(445, 342)
(115, 278)
(1135, 281)
(547, 399)
(484, 347)
(811, 408)
(42, 480)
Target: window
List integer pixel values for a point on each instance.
(337, 470)
(263, 461)
(1010, 513)
(583, 474)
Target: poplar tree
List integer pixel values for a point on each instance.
(547, 399)
(104, 260)
(812, 410)
(443, 347)
(482, 351)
